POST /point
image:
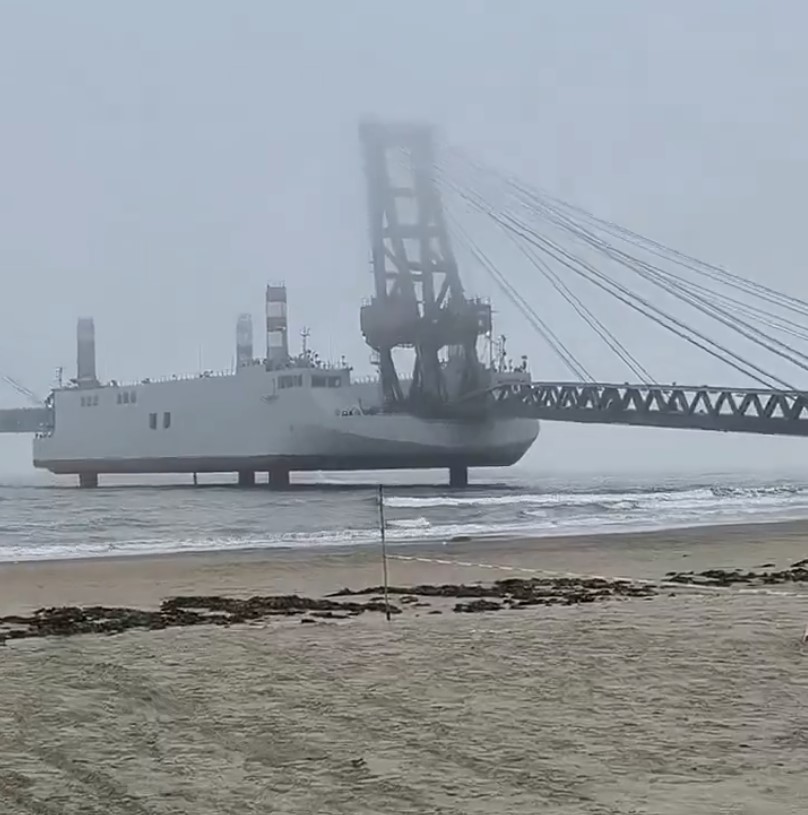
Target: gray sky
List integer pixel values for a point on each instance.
(160, 162)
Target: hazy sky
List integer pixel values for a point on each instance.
(161, 161)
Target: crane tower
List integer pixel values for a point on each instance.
(418, 300)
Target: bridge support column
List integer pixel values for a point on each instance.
(458, 476)
(246, 478)
(88, 480)
(278, 478)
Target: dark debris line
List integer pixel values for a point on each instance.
(217, 610)
(174, 612)
(519, 593)
(511, 593)
(796, 573)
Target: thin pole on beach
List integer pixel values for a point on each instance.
(384, 551)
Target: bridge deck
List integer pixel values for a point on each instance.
(23, 420)
(769, 412)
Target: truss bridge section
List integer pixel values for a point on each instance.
(24, 420)
(729, 410)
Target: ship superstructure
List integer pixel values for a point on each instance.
(290, 412)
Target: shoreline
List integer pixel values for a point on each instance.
(642, 697)
(414, 543)
(147, 579)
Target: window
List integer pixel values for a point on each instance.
(119, 397)
(166, 420)
(153, 421)
(290, 381)
(126, 397)
(133, 397)
(322, 381)
(95, 399)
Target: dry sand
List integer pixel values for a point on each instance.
(693, 703)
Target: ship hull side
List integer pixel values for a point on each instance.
(243, 422)
(501, 457)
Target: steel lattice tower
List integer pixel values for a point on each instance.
(419, 301)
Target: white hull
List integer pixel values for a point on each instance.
(247, 422)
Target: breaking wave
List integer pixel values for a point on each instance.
(43, 524)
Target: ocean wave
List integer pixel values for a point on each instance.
(601, 498)
(409, 523)
(370, 536)
(140, 524)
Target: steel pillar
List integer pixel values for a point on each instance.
(246, 478)
(458, 476)
(88, 480)
(279, 478)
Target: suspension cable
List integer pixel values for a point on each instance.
(567, 357)
(585, 313)
(717, 273)
(634, 301)
(679, 289)
(686, 291)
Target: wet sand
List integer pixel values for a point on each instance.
(685, 702)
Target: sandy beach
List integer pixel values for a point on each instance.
(687, 701)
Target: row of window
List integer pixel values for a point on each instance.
(166, 420)
(317, 381)
(123, 398)
(284, 381)
(129, 398)
(290, 381)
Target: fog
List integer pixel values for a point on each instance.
(160, 162)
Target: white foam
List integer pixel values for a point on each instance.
(33, 535)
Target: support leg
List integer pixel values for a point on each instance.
(88, 480)
(246, 478)
(458, 475)
(196, 480)
(279, 478)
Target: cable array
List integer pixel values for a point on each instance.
(563, 243)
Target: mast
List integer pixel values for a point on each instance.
(244, 340)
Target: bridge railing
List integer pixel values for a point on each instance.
(771, 412)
